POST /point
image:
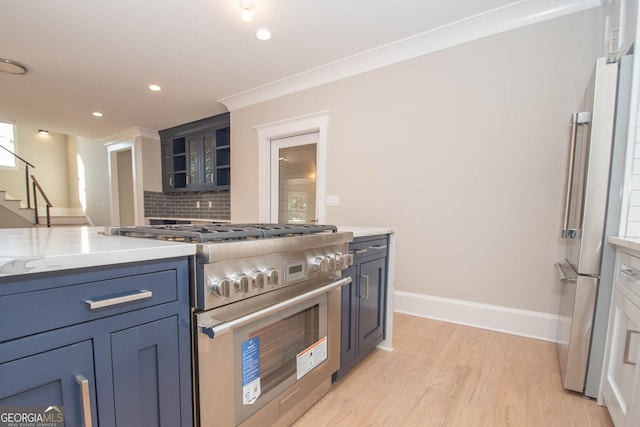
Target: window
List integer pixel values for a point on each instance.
(7, 142)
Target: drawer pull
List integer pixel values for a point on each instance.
(85, 403)
(358, 252)
(138, 295)
(378, 247)
(364, 284)
(627, 345)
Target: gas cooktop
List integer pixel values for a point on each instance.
(202, 233)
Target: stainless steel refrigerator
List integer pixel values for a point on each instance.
(597, 152)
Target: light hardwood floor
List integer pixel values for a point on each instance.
(442, 374)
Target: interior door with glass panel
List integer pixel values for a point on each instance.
(293, 179)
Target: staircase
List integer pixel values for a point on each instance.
(14, 215)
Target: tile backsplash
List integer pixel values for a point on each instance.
(188, 205)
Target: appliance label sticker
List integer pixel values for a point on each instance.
(311, 357)
(250, 371)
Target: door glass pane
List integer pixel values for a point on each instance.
(209, 152)
(297, 184)
(193, 160)
(280, 343)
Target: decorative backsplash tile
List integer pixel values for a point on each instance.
(191, 205)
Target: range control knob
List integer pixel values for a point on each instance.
(221, 288)
(242, 283)
(345, 260)
(273, 276)
(321, 264)
(259, 279)
(333, 263)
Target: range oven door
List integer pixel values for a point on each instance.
(261, 361)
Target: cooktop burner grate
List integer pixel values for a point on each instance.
(203, 233)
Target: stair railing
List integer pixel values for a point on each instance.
(36, 185)
(26, 175)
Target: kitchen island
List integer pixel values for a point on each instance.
(95, 324)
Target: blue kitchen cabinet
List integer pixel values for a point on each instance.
(52, 378)
(196, 156)
(363, 301)
(124, 330)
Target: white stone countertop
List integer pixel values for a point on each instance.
(37, 250)
(632, 243)
(366, 231)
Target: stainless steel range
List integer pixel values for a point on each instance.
(266, 322)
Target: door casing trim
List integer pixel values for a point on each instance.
(315, 122)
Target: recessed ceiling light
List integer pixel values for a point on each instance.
(43, 132)
(263, 34)
(155, 88)
(97, 114)
(12, 67)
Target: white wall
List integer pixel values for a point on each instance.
(461, 151)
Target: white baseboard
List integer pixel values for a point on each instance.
(525, 323)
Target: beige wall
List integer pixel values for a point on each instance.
(151, 164)
(90, 161)
(49, 156)
(462, 152)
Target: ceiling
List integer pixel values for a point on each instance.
(88, 55)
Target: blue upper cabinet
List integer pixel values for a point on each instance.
(108, 344)
(196, 156)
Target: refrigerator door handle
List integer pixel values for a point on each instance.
(577, 119)
(563, 276)
(566, 233)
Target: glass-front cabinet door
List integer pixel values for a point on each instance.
(209, 159)
(193, 144)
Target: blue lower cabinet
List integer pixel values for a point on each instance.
(363, 301)
(122, 355)
(61, 377)
(146, 366)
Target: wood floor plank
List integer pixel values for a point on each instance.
(442, 374)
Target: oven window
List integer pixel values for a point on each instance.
(280, 342)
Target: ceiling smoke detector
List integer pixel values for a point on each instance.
(12, 67)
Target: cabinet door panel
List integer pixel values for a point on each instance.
(624, 356)
(348, 330)
(146, 374)
(370, 300)
(49, 379)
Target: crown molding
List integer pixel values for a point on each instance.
(515, 15)
(129, 135)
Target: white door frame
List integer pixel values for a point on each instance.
(316, 122)
(129, 139)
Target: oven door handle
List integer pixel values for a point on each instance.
(223, 328)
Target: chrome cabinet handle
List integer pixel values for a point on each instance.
(364, 283)
(378, 247)
(627, 342)
(358, 252)
(136, 296)
(563, 276)
(171, 181)
(85, 400)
